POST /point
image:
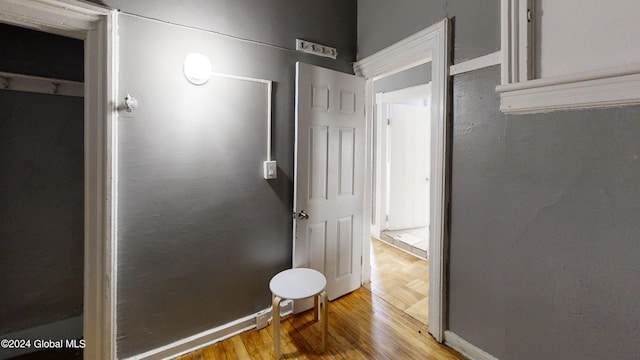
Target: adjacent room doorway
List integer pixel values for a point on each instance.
(403, 168)
(429, 46)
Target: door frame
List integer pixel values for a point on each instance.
(97, 26)
(429, 45)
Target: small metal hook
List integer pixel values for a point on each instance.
(56, 88)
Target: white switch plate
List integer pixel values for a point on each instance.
(270, 170)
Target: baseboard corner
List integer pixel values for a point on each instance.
(466, 348)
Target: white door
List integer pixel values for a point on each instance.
(408, 166)
(328, 182)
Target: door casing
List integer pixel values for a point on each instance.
(429, 45)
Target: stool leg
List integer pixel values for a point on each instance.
(315, 307)
(276, 326)
(325, 319)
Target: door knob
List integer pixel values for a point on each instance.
(302, 215)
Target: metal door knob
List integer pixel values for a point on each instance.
(302, 215)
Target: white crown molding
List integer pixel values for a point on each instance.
(63, 17)
(616, 86)
(414, 50)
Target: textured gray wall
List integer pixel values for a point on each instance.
(544, 228)
(381, 23)
(544, 219)
(275, 22)
(41, 186)
(200, 231)
(417, 75)
(40, 54)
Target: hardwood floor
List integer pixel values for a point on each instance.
(362, 325)
(401, 279)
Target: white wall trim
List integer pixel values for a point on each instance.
(409, 52)
(96, 25)
(64, 17)
(602, 88)
(209, 337)
(517, 41)
(465, 348)
(41, 85)
(522, 92)
(477, 63)
(431, 44)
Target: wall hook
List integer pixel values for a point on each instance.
(130, 102)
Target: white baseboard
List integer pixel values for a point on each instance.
(211, 336)
(200, 340)
(67, 329)
(465, 348)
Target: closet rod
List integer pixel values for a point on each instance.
(42, 85)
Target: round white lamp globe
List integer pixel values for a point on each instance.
(197, 68)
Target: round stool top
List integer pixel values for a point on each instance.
(298, 283)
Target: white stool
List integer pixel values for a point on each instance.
(296, 284)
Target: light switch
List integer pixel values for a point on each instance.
(270, 170)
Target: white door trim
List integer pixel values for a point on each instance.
(95, 25)
(429, 45)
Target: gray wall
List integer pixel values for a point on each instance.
(38, 53)
(274, 22)
(200, 231)
(41, 186)
(544, 220)
(382, 23)
(417, 75)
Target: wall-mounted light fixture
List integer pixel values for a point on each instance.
(197, 69)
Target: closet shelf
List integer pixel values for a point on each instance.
(36, 84)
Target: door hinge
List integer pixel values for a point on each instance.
(388, 121)
(529, 15)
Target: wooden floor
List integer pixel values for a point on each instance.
(401, 279)
(362, 325)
